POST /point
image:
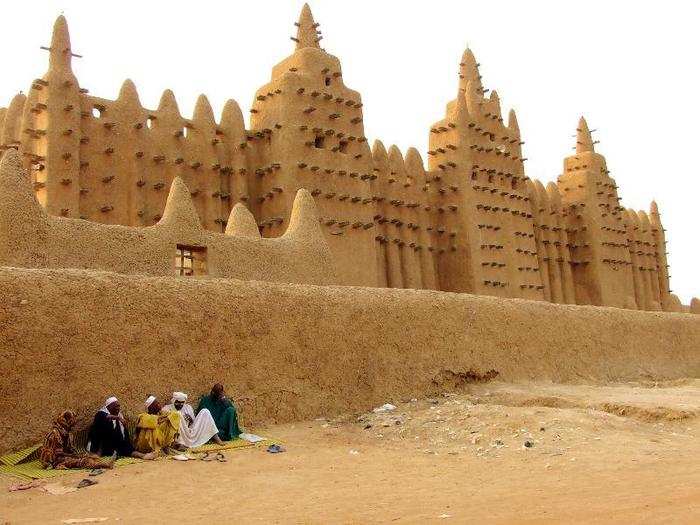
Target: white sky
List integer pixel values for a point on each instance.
(631, 67)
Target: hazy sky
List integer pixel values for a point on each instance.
(631, 67)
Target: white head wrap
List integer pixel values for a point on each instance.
(179, 396)
(149, 401)
(115, 423)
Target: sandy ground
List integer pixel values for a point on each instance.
(496, 453)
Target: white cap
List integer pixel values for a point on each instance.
(179, 396)
(149, 401)
(110, 400)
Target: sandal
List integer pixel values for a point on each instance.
(96, 472)
(86, 483)
(206, 457)
(221, 458)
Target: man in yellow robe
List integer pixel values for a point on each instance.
(156, 430)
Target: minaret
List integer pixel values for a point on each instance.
(483, 215)
(584, 141)
(307, 32)
(63, 151)
(600, 258)
(52, 113)
(469, 72)
(307, 132)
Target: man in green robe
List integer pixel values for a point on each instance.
(223, 412)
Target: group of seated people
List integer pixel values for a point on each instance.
(159, 428)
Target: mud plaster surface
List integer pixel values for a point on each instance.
(285, 352)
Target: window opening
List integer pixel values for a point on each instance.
(190, 260)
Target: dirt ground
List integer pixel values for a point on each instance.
(496, 453)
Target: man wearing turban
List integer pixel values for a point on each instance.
(109, 434)
(194, 431)
(156, 429)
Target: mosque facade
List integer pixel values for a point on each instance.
(468, 219)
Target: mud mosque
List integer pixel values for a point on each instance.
(300, 196)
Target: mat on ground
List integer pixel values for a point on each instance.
(25, 463)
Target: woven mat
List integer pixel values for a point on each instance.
(25, 463)
(33, 470)
(15, 458)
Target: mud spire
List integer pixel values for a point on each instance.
(168, 102)
(303, 220)
(654, 208)
(307, 34)
(695, 305)
(13, 116)
(414, 162)
(60, 52)
(584, 142)
(17, 201)
(128, 93)
(495, 103)
(554, 194)
(654, 215)
(202, 111)
(469, 72)
(461, 110)
(379, 155)
(241, 223)
(232, 121)
(179, 212)
(23, 222)
(513, 122)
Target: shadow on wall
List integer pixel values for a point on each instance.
(176, 245)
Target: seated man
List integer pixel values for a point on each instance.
(156, 429)
(194, 431)
(223, 412)
(58, 452)
(109, 435)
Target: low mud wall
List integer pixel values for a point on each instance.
(284, 352)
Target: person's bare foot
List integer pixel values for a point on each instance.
(217, 439)
(150, 456)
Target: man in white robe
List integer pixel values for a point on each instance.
(194, 431)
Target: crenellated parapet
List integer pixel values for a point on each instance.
(32, 238)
